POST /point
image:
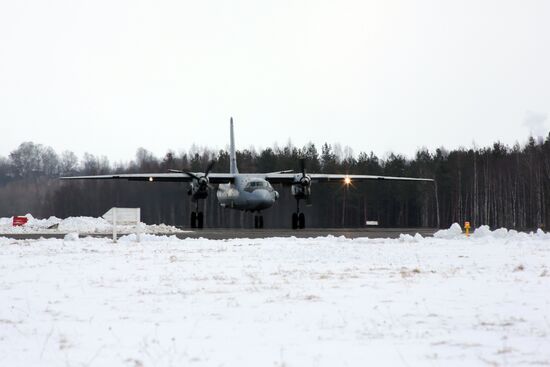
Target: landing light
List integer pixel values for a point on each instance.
(347, 180)
(150, 179)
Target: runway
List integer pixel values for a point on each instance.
(230, 233)
(226, 233)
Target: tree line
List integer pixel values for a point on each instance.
(500, 186)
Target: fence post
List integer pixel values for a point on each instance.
(114, 226)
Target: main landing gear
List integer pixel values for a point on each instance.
(298, 219)
(197, 218)
(258, 221)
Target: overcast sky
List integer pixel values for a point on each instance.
(107, 77)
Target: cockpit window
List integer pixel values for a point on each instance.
(255, 185)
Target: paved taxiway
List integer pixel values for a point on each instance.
(228, 233)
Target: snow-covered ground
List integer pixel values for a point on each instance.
(445, 301)
(86, 225)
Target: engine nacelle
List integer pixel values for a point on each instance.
(301, 188)
(199, 188)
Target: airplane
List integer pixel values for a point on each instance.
(249, 192)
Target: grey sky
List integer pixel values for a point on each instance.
(107, 77)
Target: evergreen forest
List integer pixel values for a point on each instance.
(499, 185)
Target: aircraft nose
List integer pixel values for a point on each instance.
(265, 195)
(263, 198)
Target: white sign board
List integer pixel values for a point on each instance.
(123, 216)
(372, 222)
(126, 216)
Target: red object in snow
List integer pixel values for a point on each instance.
(19, 221)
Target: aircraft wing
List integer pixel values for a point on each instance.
(214, 178)
(321, 177)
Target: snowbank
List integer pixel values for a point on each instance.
(82, 225)
(73, 236)
(484, 232)
(454, 231)
(408, 238)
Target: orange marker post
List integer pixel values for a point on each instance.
(467, 228)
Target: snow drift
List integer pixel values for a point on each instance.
(86, 225)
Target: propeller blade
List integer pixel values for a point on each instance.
(191, 174)
(210, 166)
(303, 166)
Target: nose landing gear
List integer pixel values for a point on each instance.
(258, 221)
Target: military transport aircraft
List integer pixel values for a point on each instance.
(252, 192)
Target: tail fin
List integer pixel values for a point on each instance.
(232, 155)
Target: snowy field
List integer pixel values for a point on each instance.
(444, 301)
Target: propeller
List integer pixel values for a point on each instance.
(202, 181)
(304, 181)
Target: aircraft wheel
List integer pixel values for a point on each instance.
(193, 220)
(301, 221)
(200, 220)
(294, 220)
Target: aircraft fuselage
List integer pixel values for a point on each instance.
(248, 192)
